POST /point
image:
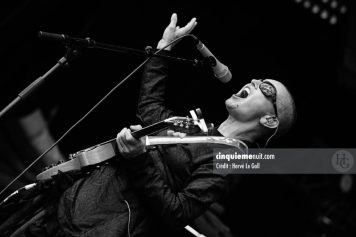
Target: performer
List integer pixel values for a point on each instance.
(159, 191)
(150, 190)
(258, 111)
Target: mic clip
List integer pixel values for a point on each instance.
(149, 50)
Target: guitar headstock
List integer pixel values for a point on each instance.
(193, 125)
(182, 124)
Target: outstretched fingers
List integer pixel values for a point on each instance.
(187, 28)
(174, 19)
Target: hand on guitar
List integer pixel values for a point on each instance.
(172, 133)
(131, 147)
(128, 145)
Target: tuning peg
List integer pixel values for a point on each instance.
(60, 162)
(199, 113)
(72, 156)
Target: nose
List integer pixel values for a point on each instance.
(256, 82)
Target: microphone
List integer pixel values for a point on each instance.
(221, 71)
(87, 42)
(52, 36)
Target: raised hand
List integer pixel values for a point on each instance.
(173, 31)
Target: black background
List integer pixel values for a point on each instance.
(256, 39)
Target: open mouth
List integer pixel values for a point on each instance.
(244, 93)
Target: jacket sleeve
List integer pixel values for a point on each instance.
(151, 104)
(176, 208)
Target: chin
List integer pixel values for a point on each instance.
(231, 108)
(234, 111)
(230, 105)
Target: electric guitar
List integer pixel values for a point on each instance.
(102, 152)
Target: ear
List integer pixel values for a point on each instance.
(269, 121)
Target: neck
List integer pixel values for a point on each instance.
(241, 130)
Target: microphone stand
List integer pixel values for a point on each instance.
(69, 56)
(73, 46)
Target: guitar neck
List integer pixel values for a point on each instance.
(161, 140)
(164, 140)
(108, 149)
(157, 127)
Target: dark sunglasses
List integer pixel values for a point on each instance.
(269, 91)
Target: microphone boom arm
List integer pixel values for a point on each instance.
(90, 43)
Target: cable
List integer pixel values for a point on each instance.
(128, 223)
(27, 187)
(275, 132)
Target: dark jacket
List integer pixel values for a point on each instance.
(161, 190)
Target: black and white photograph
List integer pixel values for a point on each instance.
(178, 118)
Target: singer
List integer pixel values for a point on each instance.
(156, 192)
(160, 191)
(259, 111)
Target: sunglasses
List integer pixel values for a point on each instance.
(269, 91)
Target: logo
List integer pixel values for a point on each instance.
(342, 161)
